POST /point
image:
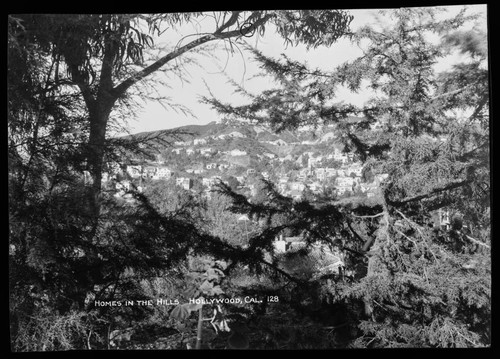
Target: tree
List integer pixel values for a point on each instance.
(412, 285)
(104, 54)
(68, 76)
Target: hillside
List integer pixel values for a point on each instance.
(229, 140)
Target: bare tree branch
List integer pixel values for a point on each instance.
(121, 88)
(447, 187)
(478, 242)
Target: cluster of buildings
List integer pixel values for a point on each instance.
(207, 151)
(337, 170)
(347, 178)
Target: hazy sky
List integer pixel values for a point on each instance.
(239, 66)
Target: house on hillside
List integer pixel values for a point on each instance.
(320, 174)
(134, 170)
(206, 151)
(184, 182)
(199, 141)
(313, 161)
(347, 181)
(356, 168)
(210, 181)
(283, 179)
(196, 169)
(379, 178)
(105, 177)
(299, 186)
(282, 187)
(441, 219)
(341, 189)
(211, 166)
(149, 172)
(338, 155)
(162, 173)
(237, 152)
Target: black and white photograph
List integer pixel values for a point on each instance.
(273, 179)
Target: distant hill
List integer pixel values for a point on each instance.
(256, 140)
(186, 132)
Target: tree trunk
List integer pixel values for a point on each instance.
(99, 117)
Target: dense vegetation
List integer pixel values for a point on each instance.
(87, 269)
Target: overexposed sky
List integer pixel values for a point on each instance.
(240, 68)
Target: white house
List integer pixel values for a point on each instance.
(184, 182)
(149, 172)
(105, 177)
(162, 172)
(199, 141)
(356, 168)
(346, 181)
(280, 246)
(134, 170)
(269, 155)
(341, 189)
(210, 181)
(237, 152)
(283, 179)
(297, 186)
(205, 151)
(381, 177)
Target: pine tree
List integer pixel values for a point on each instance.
(419, 285)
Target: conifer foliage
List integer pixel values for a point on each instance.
(406, 282)
(427, 134)
(71, 242)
